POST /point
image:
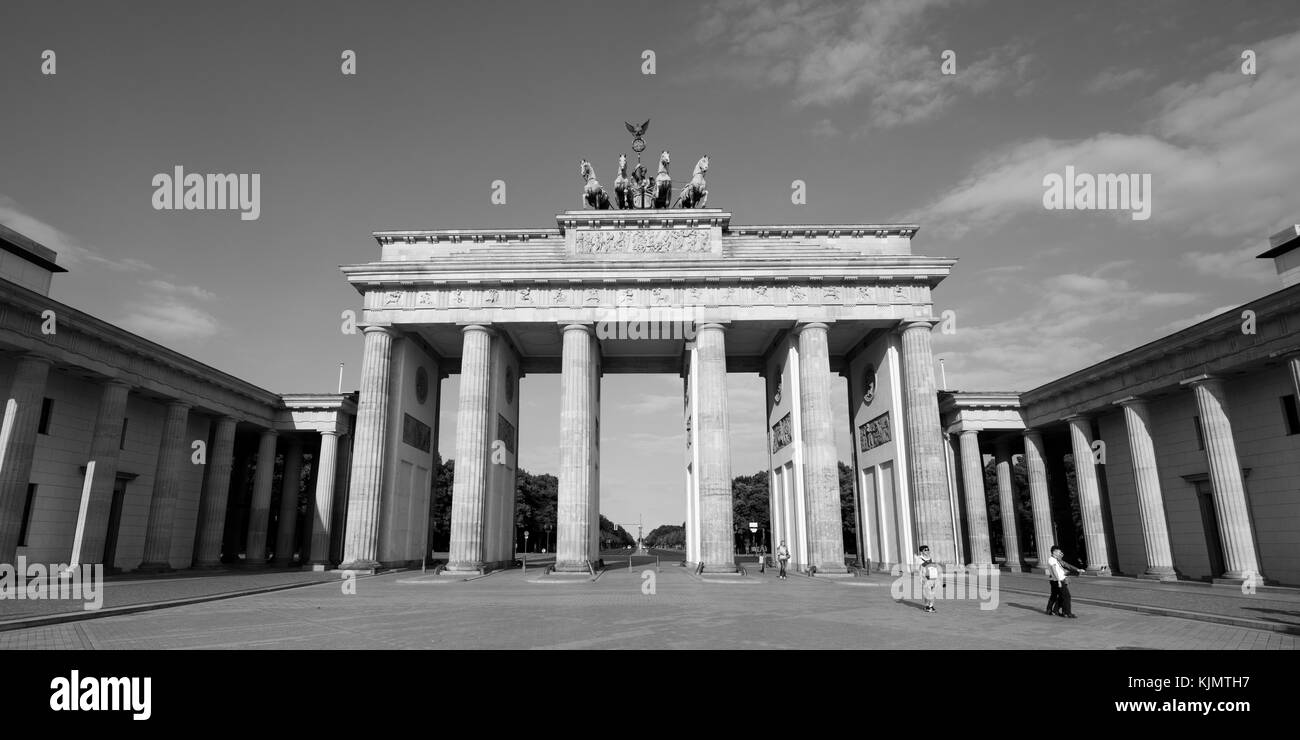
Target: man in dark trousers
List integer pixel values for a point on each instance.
(1059, 602)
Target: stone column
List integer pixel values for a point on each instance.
(1040, 499)
(574, 524)
(926, 464)
(1085, 483)
(290, 485)
(105, 444)
(27, 392)
(469, 484)
(1293, 363)
(172, 457)
(1007, 502)
(259, 511)
(361, 533)
(324, 499)
(1151, 508)
(216, 490)
(1230, 506)
(820, 463)
(717, 541)
(977, 518)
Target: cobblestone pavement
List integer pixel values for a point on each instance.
(509, 610)
(128, 590)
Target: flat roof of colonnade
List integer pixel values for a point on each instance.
(660, 266)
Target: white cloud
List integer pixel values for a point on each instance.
(1117, 78)
(70, 251)
(837, 53)
(1220, 152)
(168, 319)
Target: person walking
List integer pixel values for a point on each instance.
(929, 577)
(1058, 604)
(782, 557)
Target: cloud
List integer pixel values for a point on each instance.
(1032, 347)
(70, 251)
(167, 312)
(1220, 152)
(1183, 323)
(1117, 78)
(830, 54)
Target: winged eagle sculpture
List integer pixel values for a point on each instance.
(637, 131)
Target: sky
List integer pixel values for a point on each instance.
(851, 98)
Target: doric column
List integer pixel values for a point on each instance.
(977, 518)
(1293, 364)
(216, 491)
(574, 525)
(469, 484)
(926, 463)
(1040, 499)
(105, 444)
(259, 511)
(361, 533)
(173, 452)
(1230, 506)
(1151, 507)
(717, 541)
(27, 392)
(324, 499)
(290, 485)
(820, 464)
(1007, 502)
(1085, 483)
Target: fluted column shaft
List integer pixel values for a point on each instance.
(1085, 481)
(1293, 364)
(105, 445)
(290, 485)
(323, 508)
(573, 532)
(1151, 509)
(1040, 499)
(1007, 502)
(927, 470)
(27, 392)
(361, 543)
(977, 518)
(820, 463)
(216, 492)
(469, 485)
(259, 510)
(717, 541)
(1230, 506)
(173, 453)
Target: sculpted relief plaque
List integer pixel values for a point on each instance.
(642, 241)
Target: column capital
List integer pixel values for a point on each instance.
(270, 432)
(34, 357)
(583, 326)
(177, 403)
(1201, 379)
(1130, 401)
(1033, 433)
(972, 432)
(914, 324)
(329, 432)
(824, 325)
(718, 325)
(1077, 417)
(118, 382)
(485, 328)
(375, 329)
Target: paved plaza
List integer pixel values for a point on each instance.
(516, 610)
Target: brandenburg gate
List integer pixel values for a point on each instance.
(650, 290)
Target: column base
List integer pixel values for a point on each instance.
(1103, 571)
(1159, 574)
(319, 565)
(832, 569)
(363, 565)
(574, 566)
(155, 567)
(715, 568)
(209, 565)
(1016, 568)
